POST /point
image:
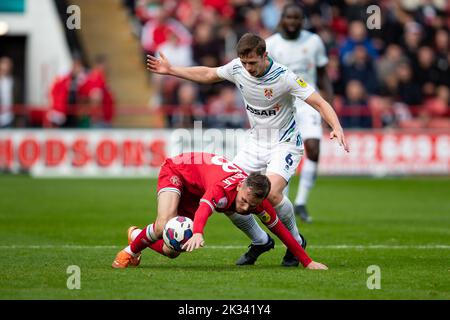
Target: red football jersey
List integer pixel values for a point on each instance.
(201, 179)
(208, 182)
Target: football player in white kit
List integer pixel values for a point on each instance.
(303, 52)
(274, 144)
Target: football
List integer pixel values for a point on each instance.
(177, 231)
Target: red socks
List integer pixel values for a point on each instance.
(142, 241)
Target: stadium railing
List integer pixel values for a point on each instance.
(38, 115)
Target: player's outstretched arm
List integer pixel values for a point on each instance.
(327, 112)
(197, 74)
(269, 217)
(286, 237)
(313, 265)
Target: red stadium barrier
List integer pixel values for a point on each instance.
(134, 152)
(38, 115)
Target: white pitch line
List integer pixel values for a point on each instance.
(230, 247)
(349, 246)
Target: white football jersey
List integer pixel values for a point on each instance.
(269, 99)
(302, 55)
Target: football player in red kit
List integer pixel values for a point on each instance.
(195, 185)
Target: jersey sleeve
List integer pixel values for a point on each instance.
(228, 71)
(269, 45)
(298, 87)
(321, 55)
(269, 217)
(208, 203)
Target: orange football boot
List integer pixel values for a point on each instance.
(123, 258)
(136, 259)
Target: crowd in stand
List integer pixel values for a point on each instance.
(393, 76)
(81, 98)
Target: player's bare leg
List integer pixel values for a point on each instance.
(150, 236)
(307, 178)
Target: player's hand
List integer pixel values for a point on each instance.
(158, 65)
(339, 135)
(195, 242)
(316, 266)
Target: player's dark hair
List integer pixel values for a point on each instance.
(289, 6)
(249, 43)
(286, 7)
(260, 185)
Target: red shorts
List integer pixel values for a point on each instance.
(169, 180)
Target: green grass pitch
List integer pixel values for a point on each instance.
(401, 225)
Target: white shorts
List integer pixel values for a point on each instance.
(309, 121)
(280, 158)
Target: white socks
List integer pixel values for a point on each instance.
(250, 227)
(307, 180)
(135, 233)
(128, 249)
(248, 224)
(151, 235)
(285, 211)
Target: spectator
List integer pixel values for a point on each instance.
(338, 24)
(6, 93)
(357, 36)
(409, 90)
(389, 113)
(426, 74)
(412, 39)
(430, 16)
(329, 40)
(147, 10)
(181, 53)
(226, 111)
(314, 11)
(335, 74)
(389, 61)
(176, 50)
(253, 24)
(100, 100)
(222, 7)
(207, 49)
(157, 31)
(355, 111)
(442, 48)
(66, 97)
(356, 10)
(360, 67)
(271, 13)
(436, 109)
(189, 13)
(392, 24)
(188, 109)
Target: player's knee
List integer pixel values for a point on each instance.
(312, 148)
(169, 253)
(275, 197)
(159, 227)
(313, 155)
